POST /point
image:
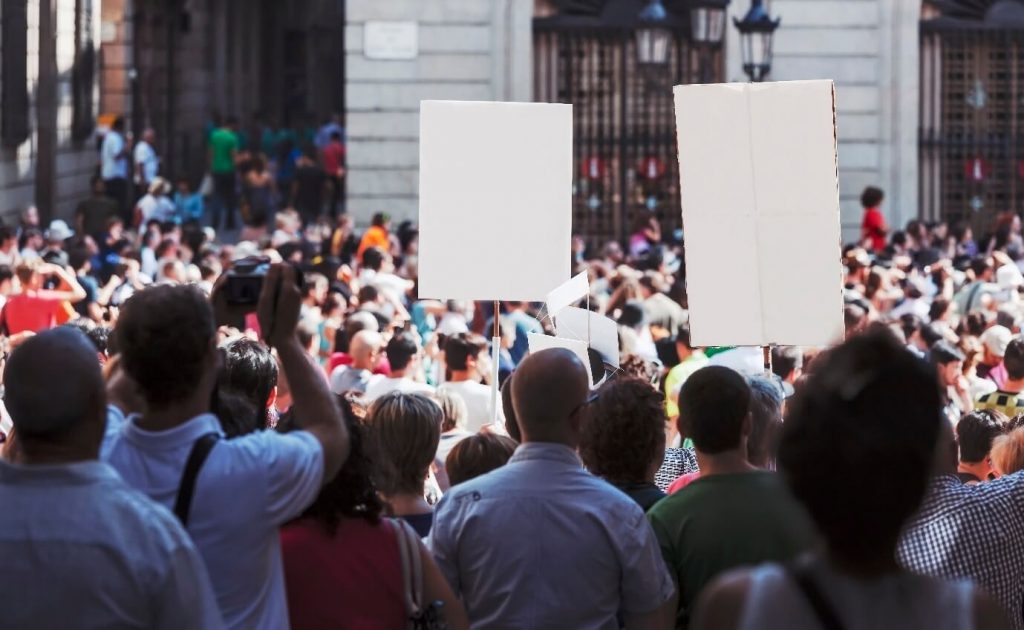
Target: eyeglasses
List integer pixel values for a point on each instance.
(591, 398)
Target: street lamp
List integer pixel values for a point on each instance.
(707, 21)
(756, 29)
(653, 35)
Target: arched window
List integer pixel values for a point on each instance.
(972, 110)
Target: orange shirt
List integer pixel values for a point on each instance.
(374, 237)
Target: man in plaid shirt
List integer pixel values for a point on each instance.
(971, 531)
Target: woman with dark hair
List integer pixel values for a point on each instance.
(342, 561)
(622, 439)
(857, 450)
(403, 432)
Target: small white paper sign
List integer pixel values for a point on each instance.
(568, 293)
(760, 202)
(390, 40)
(571, 323)
(495, 199)
(539, 341)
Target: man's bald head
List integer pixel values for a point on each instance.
(363, 349)
(548, 387)
(54, 388)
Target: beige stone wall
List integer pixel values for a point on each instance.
(468, 50)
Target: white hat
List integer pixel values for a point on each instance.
(245, 249)
(58, 231)
(996, 339)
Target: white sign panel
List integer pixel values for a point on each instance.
(390, 40)
(495, 199)
(601, 332)
(573, 290)
(760, 202)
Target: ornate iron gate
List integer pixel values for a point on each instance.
(624, 127)
(972, 92)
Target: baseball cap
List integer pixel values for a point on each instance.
(996, 339)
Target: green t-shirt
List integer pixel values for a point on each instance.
(722, 522)
(223, 144)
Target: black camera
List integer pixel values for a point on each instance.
(245, 280)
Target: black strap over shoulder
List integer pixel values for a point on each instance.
(186, 488)
(823, 610)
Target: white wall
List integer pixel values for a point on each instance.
(870, 49)
(468, 50)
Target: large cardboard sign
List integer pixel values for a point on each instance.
(760, 202)
(495, 199)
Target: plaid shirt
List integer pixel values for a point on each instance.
(974, 532)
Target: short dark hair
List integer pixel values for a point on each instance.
(786, 359)
(976, 431)
(404, 430)
(78, 257)
(401, 350)
(249, 369)
(373, 258)
(981, 264)
(98, 335)
(871, 197)
(368, 293)
(6, 272)
(1013, 359)
(478, 455)
(859, 441)
(943, 352)
(623, 431)
(683, 335)
(713, 404)
(461, 347)
(165, 334)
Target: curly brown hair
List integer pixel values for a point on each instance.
(623, 431)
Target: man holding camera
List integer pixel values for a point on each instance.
(231, 494)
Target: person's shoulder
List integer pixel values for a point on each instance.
(257, 448)
(138, 520)
(720, 605)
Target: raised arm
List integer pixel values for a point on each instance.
(315, 408)
(70, 289)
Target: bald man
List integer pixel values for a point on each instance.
(365, 352)
(79, 547)
(542, 543)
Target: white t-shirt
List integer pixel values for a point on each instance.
(248, 487)
(112, 166)
(402, 384)
(478, 402)
(146, 156)
(152, 207)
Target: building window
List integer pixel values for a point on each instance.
(14, 114)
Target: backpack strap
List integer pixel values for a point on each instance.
(823, 610)
(186, 488)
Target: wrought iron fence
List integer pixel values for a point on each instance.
(624, 139)
(970, 141)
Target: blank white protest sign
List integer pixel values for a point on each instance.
(760, 202)
(495, 199)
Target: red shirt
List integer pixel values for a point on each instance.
(683, 481)
(873, 227)
(334, 158)
(350, 580)
(32, 310)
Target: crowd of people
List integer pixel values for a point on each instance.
(276, 432)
